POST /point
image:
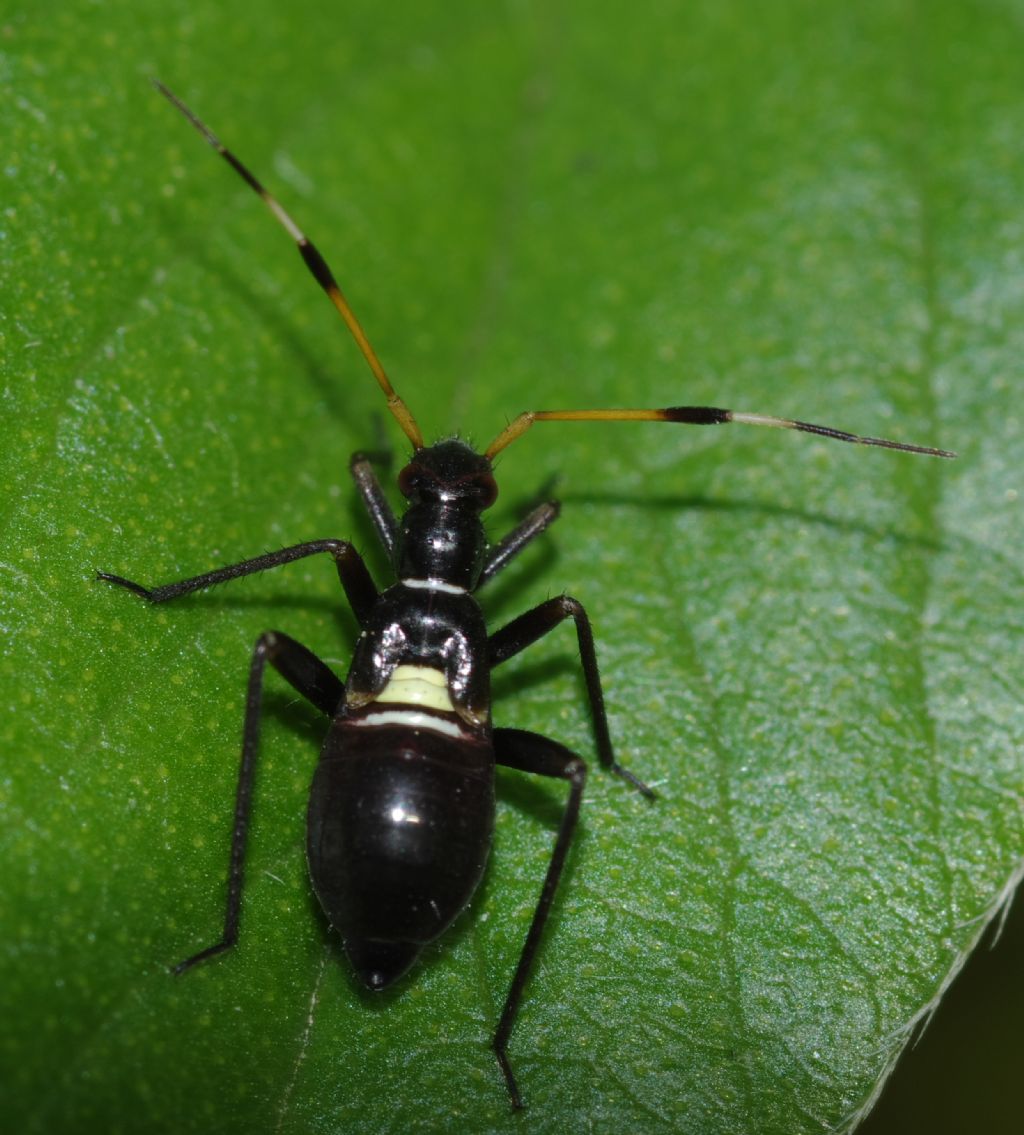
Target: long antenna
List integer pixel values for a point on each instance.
(317, 266)
(694, 416)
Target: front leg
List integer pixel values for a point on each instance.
(352, 571)
(515, 541)
(376, 503)
(533, 625)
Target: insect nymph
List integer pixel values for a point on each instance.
(401, 808)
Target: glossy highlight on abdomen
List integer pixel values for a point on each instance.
(399, 828)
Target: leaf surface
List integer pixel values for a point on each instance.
(812, 650)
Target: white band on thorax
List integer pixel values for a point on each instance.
(434, 585)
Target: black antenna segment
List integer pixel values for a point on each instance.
(315, 263)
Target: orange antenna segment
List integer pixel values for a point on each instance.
(316, 264)
(694, 416)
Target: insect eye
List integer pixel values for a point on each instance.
(487, 490)
(408, 481)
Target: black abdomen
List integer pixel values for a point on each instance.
(399, 828)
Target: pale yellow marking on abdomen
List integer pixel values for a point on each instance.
(418, 685)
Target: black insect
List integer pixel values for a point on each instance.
(401, 808)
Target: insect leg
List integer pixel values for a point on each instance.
(527, 628)
(533, 753)
(514, 542)
(319, 685)
(376, 502)
(353, 573)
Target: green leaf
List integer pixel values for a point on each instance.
(812, 650)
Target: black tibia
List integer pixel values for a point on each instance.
(353, 573)
(516, 540)
(376, 503)
(533, 753)
(319, 685)
(533, 625)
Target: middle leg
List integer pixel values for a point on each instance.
(352, 571)
(541, 620)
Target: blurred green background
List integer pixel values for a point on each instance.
(813, 210)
